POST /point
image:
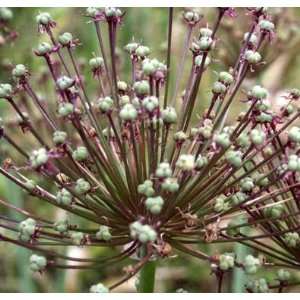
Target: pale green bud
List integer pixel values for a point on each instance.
(65, 82)
(122, 86)
(257, 136)
(103, 233)
(37, 263)
(150, 103)
(65, 39)
(5, 90)
(65, 109)
(186, 162)
(226, 78)
(200, 162)
(128, 112)
(163, 170)
(64, 197)
(77, 238)
(44, 18)
(96, 63)
(99, 288)
(234, 158)
(146, 188)
(154, 204)
(266, 25)
(38, 157)
(61, 226)
(252, 57)
(199, 58)
(283, 275)
(170, 185)
(19, 71)
(141, 87)
(206, 32)
(258, 92)
(142, 51)
(246, 184)
(251, 264)
(82, 186)
(219, 88)
(169, 115)
(43, 48)
(292, 239)
(222, 139)
(226, 261)
(80, 154)
(59, 137)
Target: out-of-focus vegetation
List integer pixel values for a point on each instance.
(150, 27)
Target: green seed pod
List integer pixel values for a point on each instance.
(253, 38)
(27, 229)
(77, 238)
(222, 139)
(257, 286)
(37, 263)
(220, 204)
(5, 90)
(266, 25)
(64, 197)
(99, 288)
(186, 162)
(96, 63)
(199, 58)
(283, 275)
(44, 18)
(150, 103)
(128, 112)
(80, 154)
(252, 57)
(263, 104)
(92, 12)
(258, 92)
(192, 17)
(251, 264)
(200, 162)
(169, 115)
(274, 211)
(5, 14)
(226, 78)
(43, 48)
(234, 158)
(163, 170)
(205, 32)
(59, 137)
(205, 43)
(237, 198)
(131, 47)
(246, 184)
(38, 157)
(19, 71)
(82, 186)
(65, 83)
(144, 233)
(105, 104)
(146, 188)
(122, 86)
(243, 140)
(103, 233)
(257, 136)
(261, 180)
(65, 39)
(226, 261)
(294, 134)
(141, 88)
(61, 226)
(142, 51)
(65, 109)
(154, 204)
(291, 239)
(219, 88)
(170, 185)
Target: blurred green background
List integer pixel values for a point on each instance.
(148, 26)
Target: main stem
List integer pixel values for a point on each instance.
(147, 278)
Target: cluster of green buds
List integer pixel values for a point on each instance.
(99, 288)
(226, 261)
(154, 204)
(27, 229)
(143, 233)
(37, 263)
(257, 286)
(251, 264)
(103, 233)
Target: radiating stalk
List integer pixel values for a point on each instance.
(147, 278)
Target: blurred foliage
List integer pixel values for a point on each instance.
(148, 26)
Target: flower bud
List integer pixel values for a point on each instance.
(222, 139)
(37, 263)
(294, 134)
(266, 25)
(252, 57)
(77, 238)
(128, 112)
(92, 12)
(65, 83)
(200, 162)
(205, 43)
(205, 32)
(5, 90)
(80, 154)
(5, 14)
(64, 197)
(150, 103)
(146, 188)
(82, 186)
(191, 17)
(154, 204)
(131, 47)
(112, 12)
(65, 39)
(234, 228)
(180, 136)
(261, 180)
(237, 198)
(96, 63)
(27, 229)
(59, 137)
(169, 115)
(61, 226)
(253, 38)
(220, 204)
(163, 170)
(243, 140)
(291, 239)
(44, 18)
(142, 51)
(283, 275)
(124, 99)
(226, 78)
(247, 184)
(122, 86)
(251, 264)
(274, 211)
(258, 92)
(257, 136)
(103, 233)
(257, 286)
(19, 71)
(38, 157)
(43, 48)
(198, 61)
(226, 261)
(141, 88)
(186, 162)
(170, 185)
(234, 158)
(264, 117)
(144, 233)
(65, 109)
(105, 104)
(99, 288)
(219, 88)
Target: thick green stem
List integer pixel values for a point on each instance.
(147, 278)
